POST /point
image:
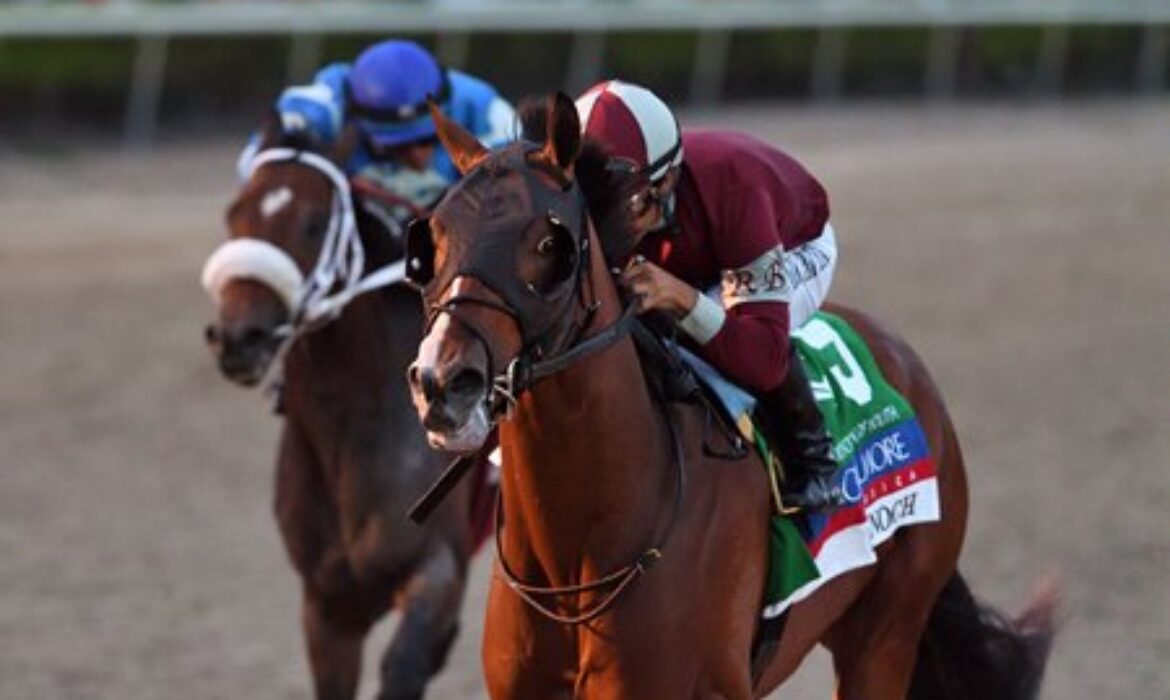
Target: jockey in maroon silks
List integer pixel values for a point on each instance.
(726, 212)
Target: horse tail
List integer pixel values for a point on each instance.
(972, 652)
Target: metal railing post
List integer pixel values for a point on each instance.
(146, 86)
(1151, 76)
(304, 58)
(710, 65)
(1053, 57)
(828, 66)
(942, 61)
(453, 48)
(586, 59)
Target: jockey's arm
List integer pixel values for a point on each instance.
(747, 342)
(745, 333)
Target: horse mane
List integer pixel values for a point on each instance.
(606, 190)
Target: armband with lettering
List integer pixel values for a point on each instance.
(763, 279)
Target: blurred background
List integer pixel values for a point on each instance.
(999, 172)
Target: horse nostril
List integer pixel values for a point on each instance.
(254, 336)
(468, 383)
(424, 381)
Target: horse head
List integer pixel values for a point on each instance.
(279, 226)
(501, 265)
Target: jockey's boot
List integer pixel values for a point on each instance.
(795, 428)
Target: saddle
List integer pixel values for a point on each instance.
(672, 380)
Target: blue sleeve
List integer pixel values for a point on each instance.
(318, 109)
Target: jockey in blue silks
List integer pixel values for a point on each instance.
(384, 92)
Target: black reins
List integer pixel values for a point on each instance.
(522, 373)
(531, 364)
(508, 387)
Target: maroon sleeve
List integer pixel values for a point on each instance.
(751, 348)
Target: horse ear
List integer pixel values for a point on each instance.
(465, 150)
(345, 145)
(562, 132)
(532, 112)
(271, 131)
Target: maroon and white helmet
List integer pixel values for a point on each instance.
(632, 123)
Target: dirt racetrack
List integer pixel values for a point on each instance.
(1023, 250)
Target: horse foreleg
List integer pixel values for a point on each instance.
(334, 634)
(334, 624)
(430, 604)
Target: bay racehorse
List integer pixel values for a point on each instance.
(631, 561)
(306, 284)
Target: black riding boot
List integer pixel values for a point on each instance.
(795, 428)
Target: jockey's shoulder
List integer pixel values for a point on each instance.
(334, 75)
(736, 159)
(721, 144)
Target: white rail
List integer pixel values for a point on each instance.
(152, 26)
(129, 19)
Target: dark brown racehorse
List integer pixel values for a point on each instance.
(351, 454)
(630, 569)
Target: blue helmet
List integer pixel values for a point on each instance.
(388, 90)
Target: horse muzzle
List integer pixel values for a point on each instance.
(243, 353)
(452, 406)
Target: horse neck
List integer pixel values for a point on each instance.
(587, 477)
(359, 354)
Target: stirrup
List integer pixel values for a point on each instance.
(824, 498)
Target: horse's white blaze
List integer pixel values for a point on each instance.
(476, 428)
(428, 350)
(274, 201)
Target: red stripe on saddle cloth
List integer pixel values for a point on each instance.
(854, 515)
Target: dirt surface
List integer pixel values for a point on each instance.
(1023, 251)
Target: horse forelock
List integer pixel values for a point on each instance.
(506, 188)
